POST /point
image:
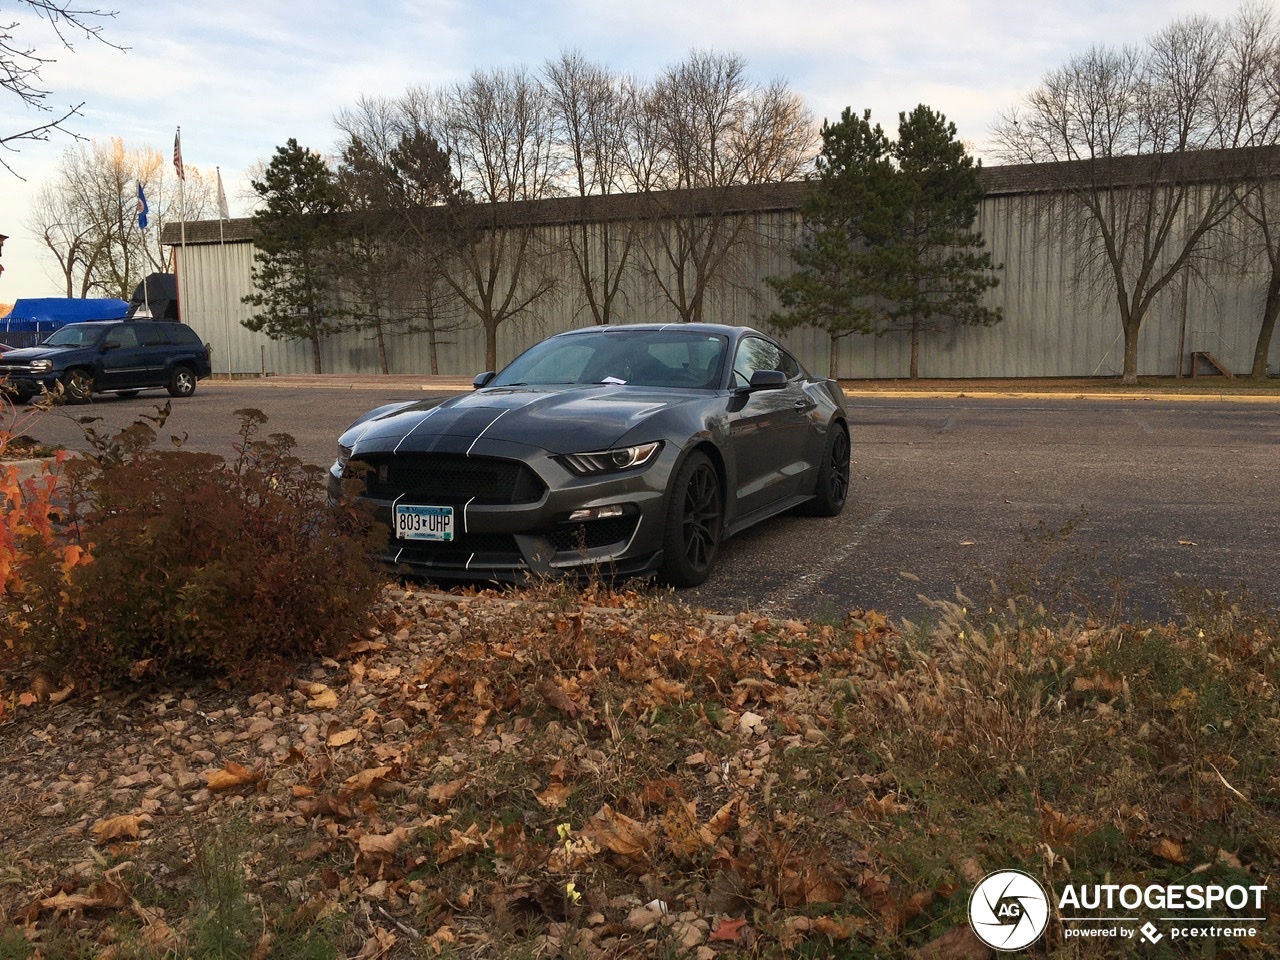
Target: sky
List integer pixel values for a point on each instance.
(240, 78)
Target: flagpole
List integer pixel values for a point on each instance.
(224, 214)
(142, 226)
(182, 223)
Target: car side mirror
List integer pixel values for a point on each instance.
(767, 380)
(482, 379)
(108, 346)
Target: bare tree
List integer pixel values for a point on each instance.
(21, 61)
(496, 130)
(703, 129)
(588, 110)
(87, 215)
(399, 182)
(1248, 103)
(1125, 132)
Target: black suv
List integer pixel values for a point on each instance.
(117, 356)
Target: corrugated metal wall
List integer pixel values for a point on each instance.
(1051, 326)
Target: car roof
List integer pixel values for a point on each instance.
(707, 328)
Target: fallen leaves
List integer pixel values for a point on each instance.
(231, 777)
(123, 827)
(610, 780)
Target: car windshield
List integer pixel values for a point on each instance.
(670, 357)
(73, 335)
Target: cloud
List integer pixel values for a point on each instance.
(242, 77)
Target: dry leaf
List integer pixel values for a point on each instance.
(729, 929)
(444, 792)
(231, 776)
(557, 698)
(459, 844)
(124, 827)
(364, 781)
(383, 845)
(1170, 850)
(620, 834)
(555, 796)
(344, 737)
(322, 698)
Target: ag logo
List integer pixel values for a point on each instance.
(1008, 910)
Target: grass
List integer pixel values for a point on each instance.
(602, 773)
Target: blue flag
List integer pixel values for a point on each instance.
(142, 208)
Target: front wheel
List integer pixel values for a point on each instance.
(695, 519)
(182, 383)
(78, 385)
(831, 491)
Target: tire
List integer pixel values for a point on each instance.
(831, 491)
(182, 382)
(695, 520)
(78, 385)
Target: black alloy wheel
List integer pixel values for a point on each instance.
(831, 491)
(695, 519)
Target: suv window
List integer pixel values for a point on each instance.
(178, 333)
(121, 337)
(152, 335)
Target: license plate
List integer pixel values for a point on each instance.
(423, 523)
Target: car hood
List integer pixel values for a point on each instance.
(580, 419)
(27, 354)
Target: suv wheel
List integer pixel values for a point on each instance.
(79, 385)
(183, 382)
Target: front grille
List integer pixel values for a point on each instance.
(478, 548)
(595, 533)
(440, 478)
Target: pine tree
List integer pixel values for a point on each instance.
(292, 275)
(889, 243)
(845, 214)
(935, 265)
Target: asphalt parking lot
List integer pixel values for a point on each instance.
(1104, 505)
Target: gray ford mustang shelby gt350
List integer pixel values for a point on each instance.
(628, 450)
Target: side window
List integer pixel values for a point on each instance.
(152, 335)
(180, 334)
(121, 337)
(756, 354)
(788, 365)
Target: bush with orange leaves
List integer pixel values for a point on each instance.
(34, 545)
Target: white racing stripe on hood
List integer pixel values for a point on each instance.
(490, 424)
(409, 433)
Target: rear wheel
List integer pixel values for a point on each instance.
(831, 491)
(695, 519)
(182, 383)
(78, 385)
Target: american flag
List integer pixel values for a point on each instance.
(177, 155)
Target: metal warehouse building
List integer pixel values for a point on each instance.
(1054, 325)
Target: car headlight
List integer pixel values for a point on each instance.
(41, 366)
(611, 461)
(344, 456)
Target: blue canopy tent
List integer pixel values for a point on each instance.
(34, 318)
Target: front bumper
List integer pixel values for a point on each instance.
(512, 541)
(27, 384)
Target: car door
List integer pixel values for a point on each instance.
(122, 365)
(768, 430)
(156, 351)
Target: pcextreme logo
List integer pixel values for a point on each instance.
(1009, 910)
